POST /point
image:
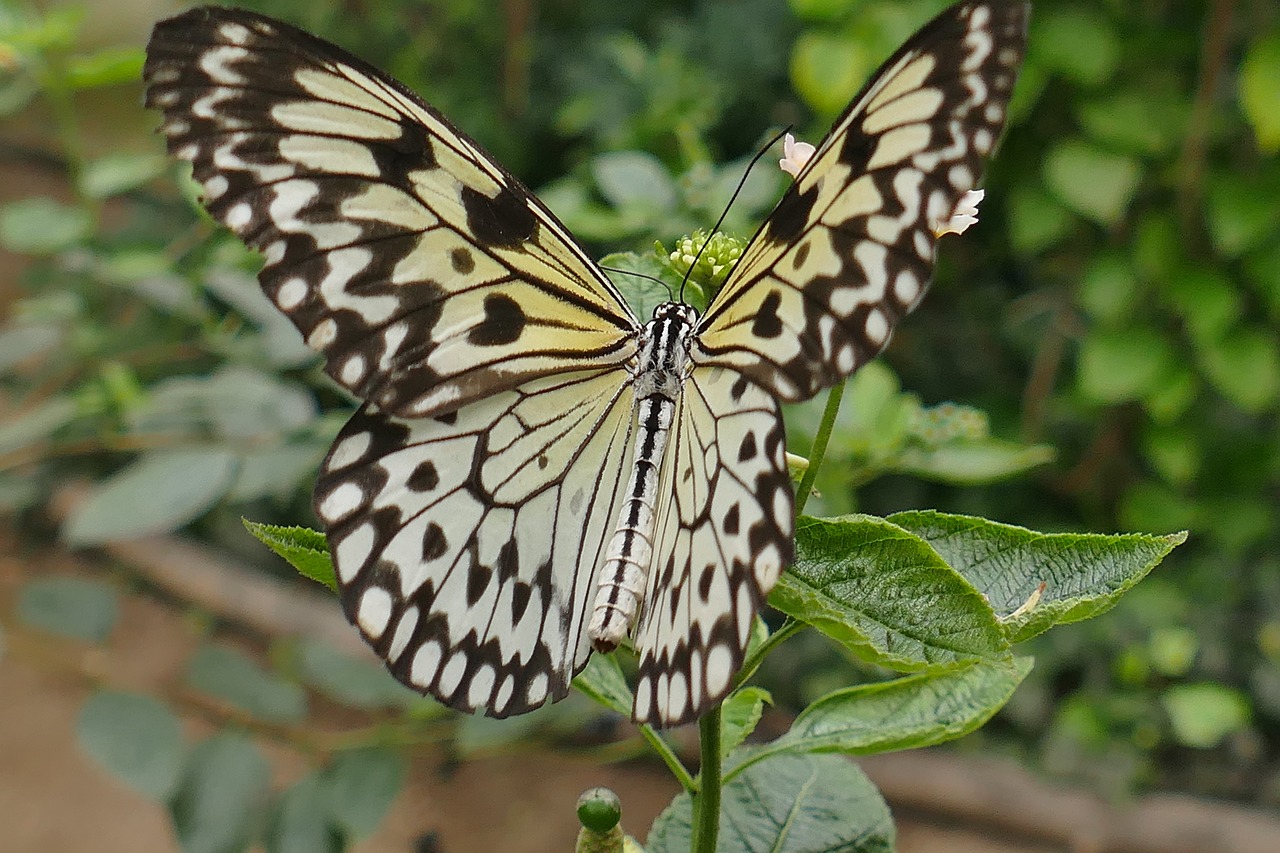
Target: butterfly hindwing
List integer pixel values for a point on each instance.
(425, 273)
(850, 247)
(467, 546)
(723, 536)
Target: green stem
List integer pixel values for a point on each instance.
(819, 446)
(706, 802)
(668, 755)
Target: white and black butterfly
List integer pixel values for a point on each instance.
(536, 472)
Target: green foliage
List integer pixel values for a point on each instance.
(1111, 325)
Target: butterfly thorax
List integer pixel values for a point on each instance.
(658, 379)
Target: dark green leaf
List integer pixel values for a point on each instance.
(1109, 289)
(222, 796)
(603, 681)
(136, 738)
(739, 716)
(788, 804)
(73, 607)
(305, 549)
(235, 679)
(1084, 573)
(886, 595)
(301, 821)
(157, 492)
(1242, 215)
(1076, 42)
(904, 713)
(360, 786)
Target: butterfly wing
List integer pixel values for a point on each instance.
(850, 247)
(467, 546)
(425, 273)
(722, 537)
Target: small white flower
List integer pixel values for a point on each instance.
(964, 215)
(795, 155)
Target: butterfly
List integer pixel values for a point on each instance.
(534, 472)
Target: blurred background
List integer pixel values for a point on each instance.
(1101, 352)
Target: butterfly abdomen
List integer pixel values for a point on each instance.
(659, 377)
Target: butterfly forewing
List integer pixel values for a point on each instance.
(467, 546)
(425, 274)
(850, 248)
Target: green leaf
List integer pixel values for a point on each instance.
(1084, 573)
(305, 549)
(1078, 43)
(788, 804)
(1242, 214)
(827, 70)
(1260, 90)
(107, 67)
(136, 738)
(363, 684)
(739, 716)
(1109, 289)
(300, 823)
(973, 462)
(1207, 301)
(275, 471)
(68, 606)
(1123, 364)
(1092, 182)
(903, 713)
(113, 174)
(42, 226)
(360, 786)
(1142, 121)
(1203, 714)
(232, 677)
(886, 595)
(157, 492)
(234, 403)
(37, 424)
(1245, 366)
(634, 178)
(642, 294)
(222, 795)
(603, 681)
(1036, 220)
(21, 342)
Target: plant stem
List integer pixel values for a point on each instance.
(706, 802)
(819, 446)
(668, 755)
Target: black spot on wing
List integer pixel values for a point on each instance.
(505, 221)
(767, 323)
(502, 323)
(424, 478)
(434, 542)
(462, 260)
(790, 218)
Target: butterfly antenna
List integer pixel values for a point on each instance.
(641, 275)
(741, 183)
